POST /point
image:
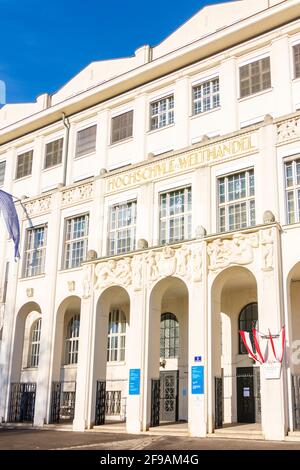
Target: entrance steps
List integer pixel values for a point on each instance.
(174, 429)
(115, 426)
(239, 431)
(293, 436)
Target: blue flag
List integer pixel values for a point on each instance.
(7, 207)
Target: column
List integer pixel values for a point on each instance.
(102, 138)
(140, 128)
(134, 359)
(198, 360)
(281, 76)
(45, 370)
(182, 100)
(229, 95)
(271, 317)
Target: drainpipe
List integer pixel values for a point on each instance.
(66, 124)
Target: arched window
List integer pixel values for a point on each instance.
(35, 338)
(116, 336)
(169, 335)
(248, 319)
(72, 340)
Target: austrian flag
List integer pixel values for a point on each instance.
(264, 348)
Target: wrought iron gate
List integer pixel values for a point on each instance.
(21, 403)
(100, 403)
(169, 395)
(155, 399)
(296, 401)
(62, 402)
(218, 402)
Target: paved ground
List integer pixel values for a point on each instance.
(27, 439)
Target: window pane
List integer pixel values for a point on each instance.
(255, 77)
(296, 50)
(122, 127)
(2, 172)
(86, 141)
(24, 164)
(54, 153)
(162, 113)
(206, 96)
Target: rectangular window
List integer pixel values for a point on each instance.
(35, 251)
(162, 113)
(121, 127)
(2, 172)
(86, 141)
(292, 188)
(54, 153)
(206, 96)
(236, 201)
(24, 164)
(255, 77)
(76, 241)
(175, 215)
(296, 50)
(122, 228)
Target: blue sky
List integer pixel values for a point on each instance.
(44, 43)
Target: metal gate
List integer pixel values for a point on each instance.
(100, 403)
(63, 396)
(21, 403)
(296, 401)
(155, 399)
(218, 402)
(169, 395)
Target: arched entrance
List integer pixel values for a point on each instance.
(293, 289)
(65, 359)
(25, 361)
(236, 377)
(110, 372)
(168, 352)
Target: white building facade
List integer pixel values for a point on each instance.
(160, 214)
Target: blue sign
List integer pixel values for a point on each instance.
(134, 381)
(198, 358)
(197, 380)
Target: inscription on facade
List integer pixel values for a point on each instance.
(180, 163)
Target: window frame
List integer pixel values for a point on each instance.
(90, 150)
(119, 336)
(35, 343)
(2, 163)
(169, 316)
(241, 347)
(29, 165)
(72, 340)
(234, 202)
(251, 64)
(29, 252)
(294, 188)
(118, 229)
(74, 240)
(51, 142)
(296, 67)
(169, 112)
(186, 214)
(211, 95)
(121, 128)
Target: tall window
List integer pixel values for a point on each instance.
(169, 336)
(292, 187)
(116, 336)
(176, 215)
(122, 228)
(2, 172)
(236, 194)
(54, 153)
(35, 251)
(24, 164)
(76, 240)
(255, 77)
(86, 141)
(248, 319)
(35, 339)
(162, 112)
(72, 340)
(121, 127)
(296, 51)
(206, 96)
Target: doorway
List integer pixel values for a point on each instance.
(248, 395)
(169, 396)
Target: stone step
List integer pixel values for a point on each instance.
(237, 434)
(293, 436)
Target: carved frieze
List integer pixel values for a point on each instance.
(288, 130)
(37, 206)
(77, 194)
(113, 272)
(237, 250)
